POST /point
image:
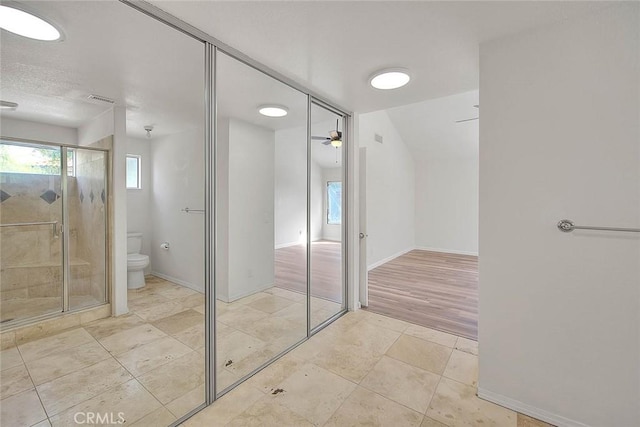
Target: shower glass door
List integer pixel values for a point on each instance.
(53, 213)
(31, 272)
(86, 200)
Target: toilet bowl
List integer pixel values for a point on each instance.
(136, 262)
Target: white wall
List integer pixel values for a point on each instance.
(24, 129)
(290, 186)
(97, 128)
(178, 182)
(250, 226)
(139, 201)
(329, 231)
(114, 121)
(447, 204)
(445, 154)
(390, 190)
(317, 201)
(560, 138)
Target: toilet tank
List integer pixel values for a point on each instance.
(134, 242)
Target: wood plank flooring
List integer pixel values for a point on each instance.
(432, 289)
(326, 269)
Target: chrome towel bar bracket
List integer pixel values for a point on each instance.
(567, 226)
(187, 210)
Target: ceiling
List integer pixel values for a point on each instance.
(139, 63)
(334, 46)
(429, 128)
(331, 47)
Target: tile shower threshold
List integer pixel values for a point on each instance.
(19, 332)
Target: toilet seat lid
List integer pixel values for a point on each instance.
(137, 257)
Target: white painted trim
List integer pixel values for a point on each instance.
(526, 409)
(446, 251)
(179, 282)
(387, 259)
(288, 245)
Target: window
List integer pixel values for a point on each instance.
(334, 202)
(36, 160)
(133, 172)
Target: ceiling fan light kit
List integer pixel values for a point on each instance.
(390, 78)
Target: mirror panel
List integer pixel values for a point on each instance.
(327, 149)
(261, 199)
(144, 73)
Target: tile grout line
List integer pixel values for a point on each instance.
(34, 386)
(439, 381)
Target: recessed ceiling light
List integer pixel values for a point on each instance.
(6, 105)
(273, 110)
(27, 25)
(390, 78)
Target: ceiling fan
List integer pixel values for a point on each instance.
(334, 139)
(470, 119)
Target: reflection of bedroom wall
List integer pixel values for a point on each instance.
(249, 203)
(290, 186)
(291, 190)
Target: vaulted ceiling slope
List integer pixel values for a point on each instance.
(334, 46)
(434, 128)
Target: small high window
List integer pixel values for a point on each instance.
(334, 202)
(133, 172)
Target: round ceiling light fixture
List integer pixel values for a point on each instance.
(391, 78)
(27, 25)
(273, 110)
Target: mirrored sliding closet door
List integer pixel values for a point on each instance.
(261, 213)
(102, 273)
(328, 145)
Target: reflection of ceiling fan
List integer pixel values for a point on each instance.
(335, 137)
(468, 120)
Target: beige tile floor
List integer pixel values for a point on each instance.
(149, 363)
(366, 369)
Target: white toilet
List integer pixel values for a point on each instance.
(136, 262)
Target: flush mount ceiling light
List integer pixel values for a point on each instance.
(27, 25)
(273, 110)
(6, 105)
(392, 78)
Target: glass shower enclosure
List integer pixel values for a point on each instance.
(53, 222)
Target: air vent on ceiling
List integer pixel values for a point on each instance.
(99, 98)
(378, 138)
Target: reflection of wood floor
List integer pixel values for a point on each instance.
(326, 268)
(431, 289)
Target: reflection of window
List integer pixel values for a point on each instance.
(334, 202)
(39, 160)
(133, 172)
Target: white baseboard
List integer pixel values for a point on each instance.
(288, 245)
(532, 411)
(446, 251)
(178, 281)
(387, 259)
